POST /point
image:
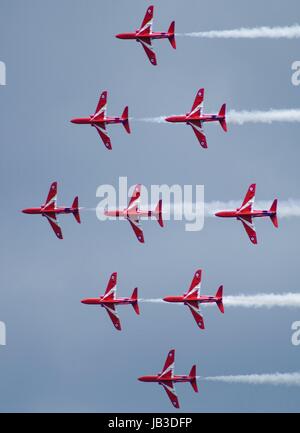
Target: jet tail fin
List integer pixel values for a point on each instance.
(75, 210)
(171, 37)
(158, 213)
(219, 296)
(274, 217)
(134, 301)
(125, 120)
(222, 113)
(193, 379)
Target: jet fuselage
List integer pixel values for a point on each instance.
(200, 299)
(42, 211)
(202, 118)
(100, 301)
(158, 379)
(252, 214)
(91, 121)
(137, 36)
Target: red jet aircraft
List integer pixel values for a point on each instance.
(196, 118)
(192, 299)
(144, 35)
(246, 213)
(109, 301)
(167, 378)
(99, 120)
(133, 214)
(50, 210)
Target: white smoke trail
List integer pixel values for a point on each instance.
(241, 117)
(288, 379)
(287, 32)
(286, 209)
(159, 119)
(152, 301)
(264, 300)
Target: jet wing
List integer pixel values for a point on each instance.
(195, 310)
(249, 227)
(249, 199)
(197, 128)
(168, 370)
(52, 197)
(101, 107)
(198, 104)
(194, 290)
(146, 27)
(133, 207)
(113, 316)
(103, 135)
(54, 224)
(111, 289)
(137, 230)
(147, 45)
(170, 390)
(135, 198)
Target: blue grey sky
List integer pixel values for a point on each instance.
(64, 356)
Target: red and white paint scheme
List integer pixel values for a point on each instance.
(144, 35)
(50, 210)
(109, 301)
(99, 120)
(246, 214)
(167, 378)
(196, 118)
(133, 214)
(193, 298)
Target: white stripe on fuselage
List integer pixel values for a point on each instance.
(102, 110)
(52, 200)
(101, 129)
(198, 108)
(195, 290)
(248, 223)
(148, 24)
(168, 369)
(111, 292)
(198, 128)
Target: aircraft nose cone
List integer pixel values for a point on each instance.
(141, 379)
(73, 121)
(218, 214)
(166, 299)
(24, 210)
(83, 301)
(119, 36)
(168, 119)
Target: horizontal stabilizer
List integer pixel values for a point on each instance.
(158, 213)
(134, 299)
(171, 37)
(75, 210)
(222, 113)
(125, 120)
(193, 379)
(274, 217)
(219, 296)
